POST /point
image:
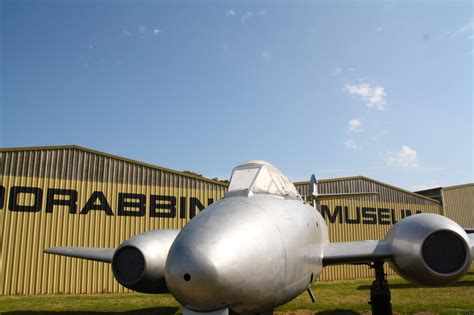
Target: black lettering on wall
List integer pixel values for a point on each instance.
(51, 200)
(16, 191)
(406, 213)
(182, 207)
(131, 205)
(337, 214)
(193, 203)
(102, 206)
(348, 216)
(157, 204)
(383, 216)
(369, 216)
(394, 218)
(2, 196)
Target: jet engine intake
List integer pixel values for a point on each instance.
(429, 249)
(139, 262)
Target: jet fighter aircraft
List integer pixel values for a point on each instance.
(262, 245)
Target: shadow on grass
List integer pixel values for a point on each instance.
(165, 310)
(338, 312)
(468, 283)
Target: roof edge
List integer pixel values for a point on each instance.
(457, 186)
(76, 147)
(374, 181)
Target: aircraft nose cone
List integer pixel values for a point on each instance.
(191, 276)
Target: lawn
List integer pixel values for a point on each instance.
(342, 297)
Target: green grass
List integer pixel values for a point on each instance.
(343, 297)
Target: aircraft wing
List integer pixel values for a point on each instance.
(355, 252)
(97, 254)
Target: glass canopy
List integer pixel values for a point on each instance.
(260, 177)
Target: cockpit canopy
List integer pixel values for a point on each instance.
(260, 177)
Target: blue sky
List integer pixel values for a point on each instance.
(336, 88)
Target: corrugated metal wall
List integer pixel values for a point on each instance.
(24, 232)
(350, 223)
(27, 231)
(458, 203)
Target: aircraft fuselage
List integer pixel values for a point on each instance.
(224, 259)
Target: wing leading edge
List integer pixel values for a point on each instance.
(364, 252)
(355, 252)
(97, 254)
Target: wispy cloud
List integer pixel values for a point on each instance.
(230, 12)
(337, 71)
(265, 54)
(372, 95)
(142, 29)
(467, 29)
(262, 12)
(350, 144)
(379, 29)
(126, 32)
(246, 16)
(405, 158)
(156, 32)
(376, 137)
(354, 125)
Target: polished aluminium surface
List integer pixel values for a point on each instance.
(97, 254)
(261, 246)
(407, 239)
(247, 253)
(147, 253)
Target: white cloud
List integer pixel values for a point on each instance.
(354, 125)
(230, 12)
(156, 32)
(405, 158)
(265, 54)
(337, 71)
(262, 12)
(372, 95)
(126, 33)
(379, 29)
(350, 144)
(142, 29)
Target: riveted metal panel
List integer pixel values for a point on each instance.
(23, 235)
(364, 218)
(458, 203)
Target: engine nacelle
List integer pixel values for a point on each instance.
(429, 249)
(139, 262)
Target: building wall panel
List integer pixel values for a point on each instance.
(458, 204)
(397, 203)
(26, 270)
(23, 235)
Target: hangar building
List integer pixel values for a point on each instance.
(73, 196)
(457, 201)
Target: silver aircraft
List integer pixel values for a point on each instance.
(262, 245)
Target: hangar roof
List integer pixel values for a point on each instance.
(76, 147)
(357, 184)
(341, 185)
